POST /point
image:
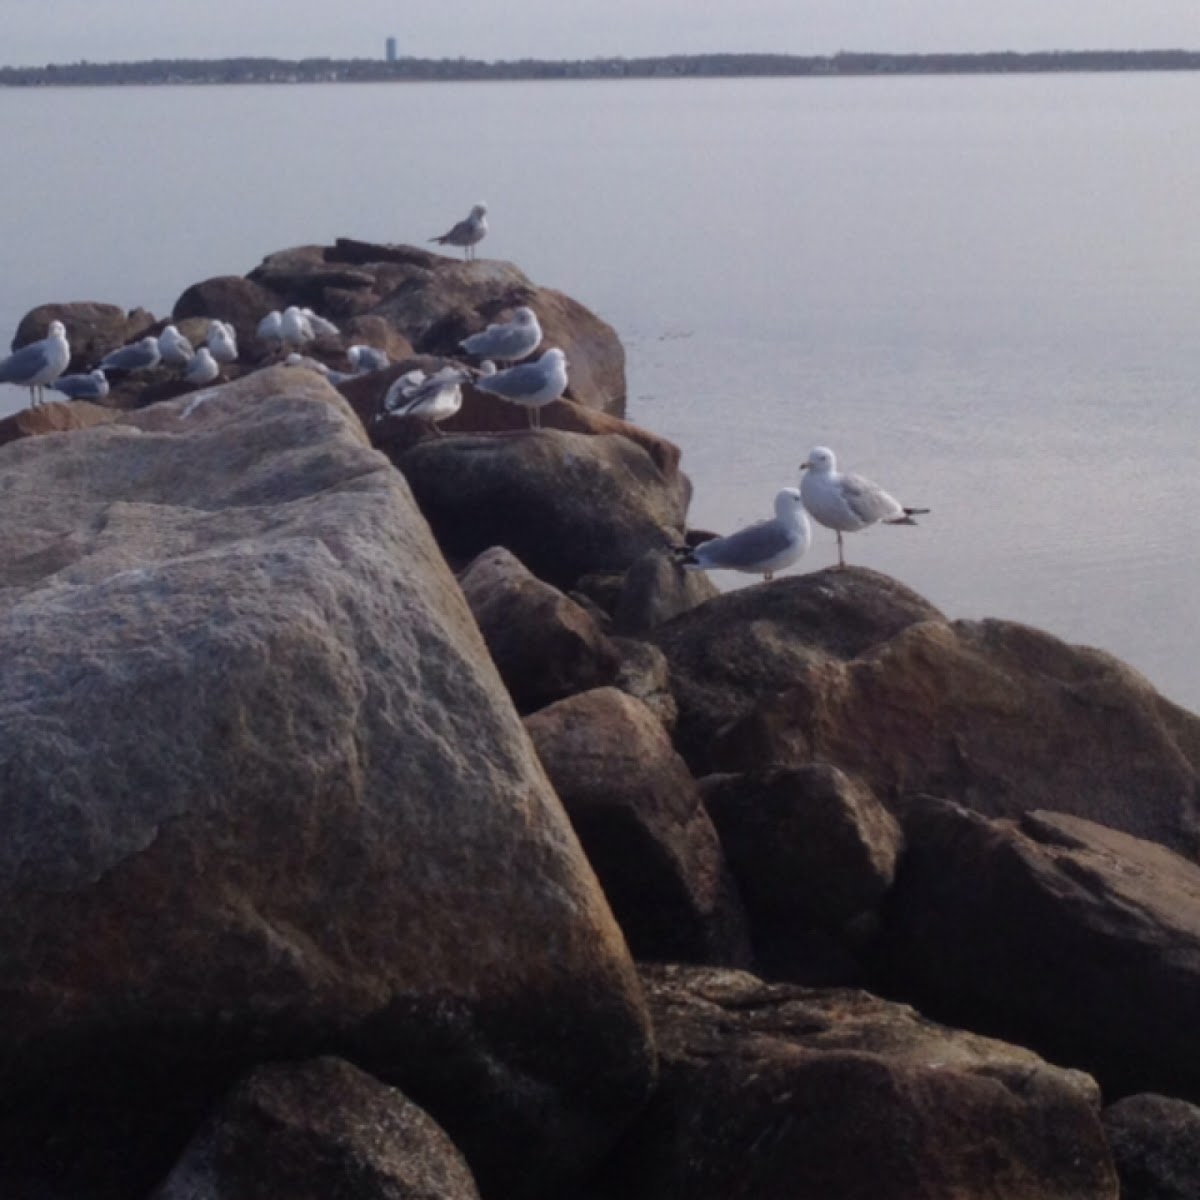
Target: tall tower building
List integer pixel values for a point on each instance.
(391, 49)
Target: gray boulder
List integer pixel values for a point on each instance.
(265, 796)
(314, 1130)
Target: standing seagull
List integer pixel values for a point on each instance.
(760, 549)
(140, 356)
(39, 363)
(435, 397)
(507, 341)
(364, 359)
(467, 233)
(532, 384)
(847, 503)
(295, 328)
(92, 386)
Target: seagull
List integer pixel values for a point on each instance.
(532, 384)
(39, 363)
(270, 329)
(203, 368)
(173, 348)
(467, 232)
(222, 341)
(295, 328)
(367, 358)
(435, 397)
(760, 549)
(92, 386)
(140, 356)
(320, 326)
(509, 340)
(847, 503)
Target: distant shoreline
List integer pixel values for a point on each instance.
(685, 66)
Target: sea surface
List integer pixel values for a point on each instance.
(983, 292)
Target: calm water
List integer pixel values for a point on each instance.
(982, 292)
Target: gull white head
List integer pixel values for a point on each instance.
(788, 505)
(555, 357)
(480, 210)
(524, 316)
(820, 461)
(57, 329)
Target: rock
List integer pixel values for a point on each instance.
(303, 275)
(1156, 1144)
(266, 797)
(638, 814)
(92, 329)
(313, 1130)
(563, 503)
(742, 648)
(784, 1093)
(655, 589)
(643, 673)
(241, 302)
(1051, 930)
(809, 849)
(991, 714)
(543, 644)
(55, 416)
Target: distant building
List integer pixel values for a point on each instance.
(391, 49)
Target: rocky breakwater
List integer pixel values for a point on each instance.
(301, 832)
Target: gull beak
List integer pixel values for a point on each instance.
(804, 466)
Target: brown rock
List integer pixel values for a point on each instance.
(265, 796)
(643, 673)
(1156, 1144)
(638, 814)
(563, 503)
(543, 644)
(240, 301)
(994, 715)
(809, 848)
(784, 1093)
(92, 329)
(656, 588)
(55, 416)
(314, 1130)
(743, 648)
(1055, 931)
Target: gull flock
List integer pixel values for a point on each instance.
(841, 501)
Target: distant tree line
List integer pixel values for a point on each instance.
(360, 70)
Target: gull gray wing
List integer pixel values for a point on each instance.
(746, 549)
(868, 501)
(24, 363)
(516, 383)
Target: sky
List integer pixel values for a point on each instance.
(35, 32)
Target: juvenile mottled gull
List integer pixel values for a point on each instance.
(435, 397)
(847, 503)
(467, 233)
(762, 548)
(507, 341)
(92, 386)
(174, 348)
(367, 358)
(39, 363)
(532, 384)
(203, 368)
(222, 341)
(140, 356)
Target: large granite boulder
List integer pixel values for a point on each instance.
(774, 1092)
(810, 850)
(850, 668)
(545, 646)
(265, 796)
(1155, 1142)
(316, 1130)
(55, 416)
(1054, 931)
(643, 827)
(564, 503)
